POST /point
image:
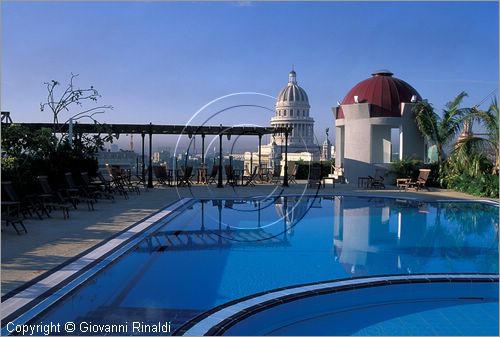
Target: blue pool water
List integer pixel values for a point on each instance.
(220, 250)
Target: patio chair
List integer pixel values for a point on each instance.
(50, 199)
(213, 175)
(11, 215)
(112, 186)
(376, 183)
(420, 183)
(160, 178)
(315, 177)
(276, 176)
(250, 178)
(79, 193)
(163, 175)
(264, 174)
(292, 172)
(132, 186)
(231, 178)
(96, 188)
(28, 204)
(185, 178)
(120, 180)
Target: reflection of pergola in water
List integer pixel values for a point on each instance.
(189, 130)
(204, 238)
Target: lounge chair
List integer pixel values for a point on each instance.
(420, 183)
(28, 204)
(79, 193)
(11, 215)
(315, 177)
(50, 199)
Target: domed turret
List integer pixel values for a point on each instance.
(375, 125)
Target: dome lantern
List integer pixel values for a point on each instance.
(292, 77)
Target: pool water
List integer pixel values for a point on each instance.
(220, 250)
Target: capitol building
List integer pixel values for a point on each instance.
(291, 110)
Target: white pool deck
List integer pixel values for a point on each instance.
(52, 241)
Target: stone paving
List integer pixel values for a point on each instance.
(52, 241)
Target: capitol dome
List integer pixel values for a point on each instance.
(292, 92)
(292, 110)
(384, 92)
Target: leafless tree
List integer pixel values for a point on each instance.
(70, 97)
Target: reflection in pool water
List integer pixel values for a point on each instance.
(221, 250)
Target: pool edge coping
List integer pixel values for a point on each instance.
(213, 323)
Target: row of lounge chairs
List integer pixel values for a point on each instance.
(16, 208)
(184, 176)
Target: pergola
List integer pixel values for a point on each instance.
(189, 130)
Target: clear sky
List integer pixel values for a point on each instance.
(161, 62)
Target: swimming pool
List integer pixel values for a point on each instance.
(210, 252)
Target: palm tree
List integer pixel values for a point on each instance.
(477, 146)
(440, 130)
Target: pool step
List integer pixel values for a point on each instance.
(209, 239)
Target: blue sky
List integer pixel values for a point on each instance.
(161, 62)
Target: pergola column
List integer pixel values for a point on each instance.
(143, 174)
(150, 169)
(219, 183)
(203, 149)
(260, 159)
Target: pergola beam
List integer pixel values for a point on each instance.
(162, 129)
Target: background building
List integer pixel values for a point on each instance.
(291, 110)
(375, 120)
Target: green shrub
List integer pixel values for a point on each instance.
(303, 169)
(406, 168)
(27, 154)
(483, 185)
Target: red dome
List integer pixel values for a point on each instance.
(384, 92)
